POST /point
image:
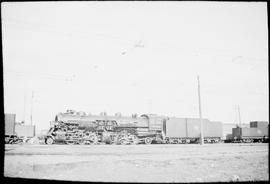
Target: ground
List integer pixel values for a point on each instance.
(139, 163)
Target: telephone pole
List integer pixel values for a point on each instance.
(24, 106)
(200, 113)
(239, 116)
(31, 117)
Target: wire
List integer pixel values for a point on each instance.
(172, 45)
(79, 33)
(43, 75)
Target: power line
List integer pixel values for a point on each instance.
(131, 44)
(172, 46)
(78, 33)
(42, 75)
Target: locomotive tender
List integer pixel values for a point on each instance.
(80, 128)
(187, 130)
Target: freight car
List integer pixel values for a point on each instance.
(257, 132)
(79, 128)
(10, 134)
(187, 130)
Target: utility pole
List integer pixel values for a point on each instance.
(32, 108)
(239, 116)
(236, 116)
(24, 106)
(26, 74)
(200, 112)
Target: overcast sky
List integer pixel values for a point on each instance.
(135, 57)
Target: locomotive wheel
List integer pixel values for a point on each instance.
(93, 139)
(49, 140)
(123, 142)
(70, 142)
(159, 140)
(81, 142)
(108, 141)
(106, 138)
(135, 140)
(114, 140)
(148, 140)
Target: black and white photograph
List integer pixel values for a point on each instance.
(136, 91)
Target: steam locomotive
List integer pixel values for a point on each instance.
(79, 128)
(74, 127)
